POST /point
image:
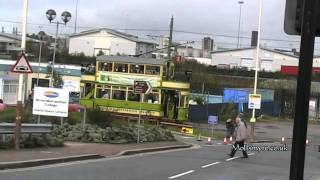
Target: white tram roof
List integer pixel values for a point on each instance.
(132, 60)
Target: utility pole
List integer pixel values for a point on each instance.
(20, 89)
(170, 39)
(76, 19)
(166, 97)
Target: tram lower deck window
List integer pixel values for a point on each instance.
(133, 97)
(119, 95)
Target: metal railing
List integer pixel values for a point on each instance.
(9, 128)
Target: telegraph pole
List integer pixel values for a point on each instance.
(170, 39)
(168, 66)
(20, 88)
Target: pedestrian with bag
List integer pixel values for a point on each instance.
(240, 135)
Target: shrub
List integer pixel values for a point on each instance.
(100, 118)
(226, 112)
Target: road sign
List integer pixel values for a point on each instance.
(213, 120)
(254, 101)
(50, 102)
(141, 87)
(22, 65)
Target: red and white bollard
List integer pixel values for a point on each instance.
(209, 141)
(225, 141)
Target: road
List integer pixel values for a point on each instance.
(203, 163)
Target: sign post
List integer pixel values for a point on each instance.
(142, 88)
(212, 120)
(254, 103)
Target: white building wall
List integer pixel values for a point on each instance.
(5, 39)
(269, 61)
(91, 44)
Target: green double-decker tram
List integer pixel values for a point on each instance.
(111, 88)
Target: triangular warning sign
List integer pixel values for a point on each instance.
(22, 65)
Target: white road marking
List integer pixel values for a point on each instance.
(186, 137)
(230, 159)
(208, 165)
(182, 174)
(212, 145)
(250, 154)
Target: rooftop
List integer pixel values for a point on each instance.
(16, 37)
(114, 32)
(132, 60)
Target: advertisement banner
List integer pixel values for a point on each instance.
(71, 86)
(126, 79)
(254, 101)
(50, 102)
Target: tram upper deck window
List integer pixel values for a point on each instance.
(138, 69)
(153, 70)
(121, 68)
(104, 66)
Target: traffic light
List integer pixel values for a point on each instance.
(293, 17)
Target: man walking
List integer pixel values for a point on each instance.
(240, 134)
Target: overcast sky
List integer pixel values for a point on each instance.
(215, 17)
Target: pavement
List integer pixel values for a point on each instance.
(272, 131)
(206, 162)
(73, 151)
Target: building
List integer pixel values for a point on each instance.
(105, 41)
(189, 52)
(270, 60)
(70, 74)
(111, 88)
(207, 47)
(8, 89)
(11, 42)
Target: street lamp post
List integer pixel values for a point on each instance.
(51, 15)
(239, 24)
(76, 19)
(253, 119)
(41, 35)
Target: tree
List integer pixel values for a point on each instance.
(100, 53)
(57, 79)
(199, 100)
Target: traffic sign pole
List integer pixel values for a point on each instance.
(139, 120)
